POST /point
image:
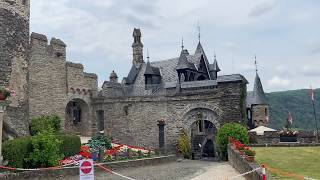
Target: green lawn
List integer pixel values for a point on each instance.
(303, 161)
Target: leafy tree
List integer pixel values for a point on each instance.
(44, 123)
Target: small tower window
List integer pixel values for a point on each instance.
(266, 112)
(24, 2)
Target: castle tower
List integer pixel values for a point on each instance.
(137, 48)
(14, 46)
(257, 105)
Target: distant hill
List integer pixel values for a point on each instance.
(298, 102)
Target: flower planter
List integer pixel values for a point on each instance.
(241, 152)
(250, 158)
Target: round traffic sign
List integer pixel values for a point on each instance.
(86, 167)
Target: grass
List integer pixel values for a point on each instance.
(303, 161)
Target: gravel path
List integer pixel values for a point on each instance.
(185, 170)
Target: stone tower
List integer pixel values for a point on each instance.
(259, 105)
(137, 48)
(14, 46)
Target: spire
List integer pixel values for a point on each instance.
(255, 63)
(199, 49)
(148, 58)
(258, 93)
(182, 46)
(199, 32)
(215, 64)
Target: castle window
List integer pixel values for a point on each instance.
(24, 2)
(266, 112)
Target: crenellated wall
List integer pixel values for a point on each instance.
(47, 77)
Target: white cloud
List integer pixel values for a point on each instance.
(276, 81)
(262, 8)
(311, 70)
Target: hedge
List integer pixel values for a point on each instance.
(71, 144)
(17, 151)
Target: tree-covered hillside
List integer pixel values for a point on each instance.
(298, 102)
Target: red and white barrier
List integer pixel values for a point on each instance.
(264, 174)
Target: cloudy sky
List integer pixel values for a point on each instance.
(284, 34)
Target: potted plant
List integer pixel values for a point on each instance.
(249, 154)
(5, 93)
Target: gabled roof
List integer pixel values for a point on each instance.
(132, 74)
(199, 49)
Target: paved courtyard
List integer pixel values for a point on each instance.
(185, 170)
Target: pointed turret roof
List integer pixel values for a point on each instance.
(183, 62)
(259, 96)
(149, 70)
(215, 66)
(199, 48)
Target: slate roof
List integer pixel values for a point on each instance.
(214, 66)
(151, 70)
(257, 96)
(183, 63)
(132, 74)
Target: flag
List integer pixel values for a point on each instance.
(312, 94)
(290, 120)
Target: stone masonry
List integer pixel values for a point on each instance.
(182, 93)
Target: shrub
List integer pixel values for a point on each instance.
(235, 130)
(45, 149)
(44, 123)
(99, 141)
(16, 151)
(70, 146)
(184, 144)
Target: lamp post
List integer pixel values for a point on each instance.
(3, 106)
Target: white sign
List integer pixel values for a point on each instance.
(86, 169)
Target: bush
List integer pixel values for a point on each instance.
(45, 150)
(44, 123)
(70, 146)
(184, 144)
(100, 141)
(235, 130)
(16, 151)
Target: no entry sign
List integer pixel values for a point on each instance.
(86, 169)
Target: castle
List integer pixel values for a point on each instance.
(148, 108)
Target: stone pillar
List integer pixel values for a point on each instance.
(162, 143)
(3, 106)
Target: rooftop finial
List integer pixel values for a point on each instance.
(215, 56)
(148, 54)
(255, 62)
(199, 31)
(182, 46)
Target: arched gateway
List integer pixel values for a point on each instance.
(77, 115)
(202, 125)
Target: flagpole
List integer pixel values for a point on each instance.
(315, 119)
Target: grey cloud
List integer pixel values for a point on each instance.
(262, 9)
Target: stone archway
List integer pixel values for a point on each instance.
(202, 125)
(77, 115)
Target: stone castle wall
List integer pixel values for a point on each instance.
(133, 120)
(47, 79)
(14, 40)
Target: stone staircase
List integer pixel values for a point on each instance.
(196, 149)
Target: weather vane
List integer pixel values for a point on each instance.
(182, 47)
(148, 54)
(199, 31)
